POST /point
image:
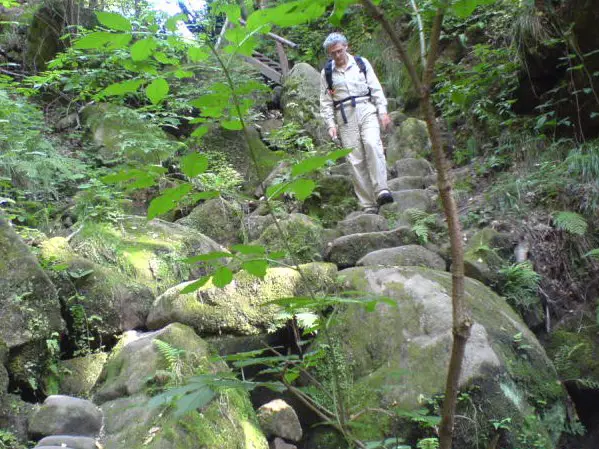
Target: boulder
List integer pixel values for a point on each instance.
(412, 167)
(68, 441)
(347, 250)
(279, 443)
(135, 361)
(482, 259)
(241, 307)
(255, 224)
(122, 133)
(409, 139)
(362, 223)
(301, 100)
(151, 252)
(404, 256)
(14, 416)
(278, 419)
(333, 200)
(399, 353)
(219, 219)
(407, 199)
(100, 301)
(302, 235)
(407, 183)
(79, 375)
(65, 415)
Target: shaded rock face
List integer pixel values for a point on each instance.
(334, 201)
(277, 418)
(65, 415)
(399, 353)
(301, 100)
(68, 441)
(81, 374)
(227, 422)
(362, 223)
(410, 139)
(14, 416)
(241, 307)
(404, 256)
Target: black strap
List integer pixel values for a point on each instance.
(339, 104)
(328, 71)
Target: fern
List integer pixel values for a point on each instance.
(520, 284)
(570, 222)
(421, 222)
(172, 356)
(594, 253)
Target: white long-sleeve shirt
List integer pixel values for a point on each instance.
(348, 82)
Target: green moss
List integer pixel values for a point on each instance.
(576, 353)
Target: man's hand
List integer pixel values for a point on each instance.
(385, 121)
(333, 133)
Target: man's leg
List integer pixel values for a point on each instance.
(373, 149)
(350, 138)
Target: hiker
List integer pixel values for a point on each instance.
(352, 103)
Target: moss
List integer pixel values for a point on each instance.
(576, 353)
(79, 375)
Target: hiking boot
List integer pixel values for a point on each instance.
(384, 197)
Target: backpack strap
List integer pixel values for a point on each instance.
(362, 67)
(328, 74)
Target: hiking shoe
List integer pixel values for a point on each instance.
(384, 197)
(370, 210)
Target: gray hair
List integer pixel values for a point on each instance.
(334, 38)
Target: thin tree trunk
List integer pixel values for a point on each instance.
(461, 320)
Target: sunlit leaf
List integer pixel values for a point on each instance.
(197, 54)
(184, 74)
(208, 257)
(222, 277)
(193, 164)
(256, 267)
(233, 12)
(113, 21)
(249, 249)
(204, 195)
(232, 125)
(122, 88)
(142, 49)
(171, 23)
(164, 59)
(200, 131)
(157, 90)
(168, 200)
(195, 285)
(302, 188)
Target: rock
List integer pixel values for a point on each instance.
(149, 251)
(3, 380)
(412, 167)
(398, 354)
(239, 308)
(347, 250)
(301, 234)
(14, 416)
(68, 441)
(29, 310)
(279, 443)
(278, 174)
(481, 256)
(65, 415)
(404, 200)
(226, 423)
(255, 224)
(362, 223)
(134, 362)
(234, 146)
(301, 101)
(342, 169)
(90, 290)
(79, 375)
(410, 139)
(407, 183)
(334, 199)
(278, 419)
(120, 132)
(404, 256)
(219, 219)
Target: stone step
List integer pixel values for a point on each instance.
(407, 199)
(359, 223)
(412, 167)
(347, 250)
(411, 182)
(67, 441)
(404, 256)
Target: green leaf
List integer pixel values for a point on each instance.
(316, 162)
(197, 54)
(256, 267)
(157, 90)
(142, 49)
(233, 13)
(249, 249)
(184, 74)
(302, 188)
(339, 11)
(208, 257)
(211, 100)
(168, 200)
(164, 59)
(171, 23)
(464, 8)
(594, 253)
(200, 131)
(195, 285)
(233, 125)
(222, 277)
(193, 164)
(99, 39)
(122, 88)
(113, 21)
(205, 195)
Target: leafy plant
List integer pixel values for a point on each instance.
(570, 222)
(422, 223)
(520, 283)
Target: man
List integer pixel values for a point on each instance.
(352, 107)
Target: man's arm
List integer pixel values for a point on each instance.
(377, 94)
(327, 110)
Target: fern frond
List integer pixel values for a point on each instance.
(421, 231)
(570, 222)
(594, 253)
(170, 354)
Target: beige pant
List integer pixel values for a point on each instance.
(362, 134)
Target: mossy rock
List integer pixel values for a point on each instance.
(14, 418)
(242, 307)
(150, 252)
(219, 219)
(395, 354)
(404, 256)
(482, 255)
(410, 139)
(334, 199)
(100, 301)
(302, 235)
(79, 375)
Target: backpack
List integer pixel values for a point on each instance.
(328, 71)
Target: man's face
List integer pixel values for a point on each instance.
(339, 54)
